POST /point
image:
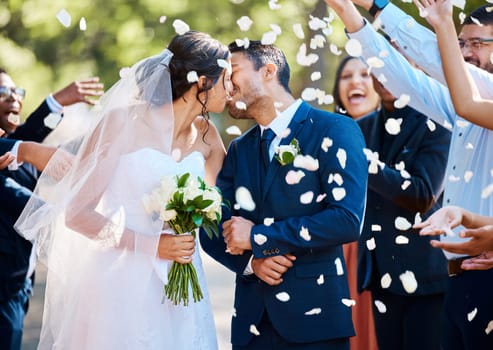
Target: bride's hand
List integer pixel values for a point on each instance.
(179, 248)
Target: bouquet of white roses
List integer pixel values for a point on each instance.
(185, 204)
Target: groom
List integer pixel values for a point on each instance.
(285, 245)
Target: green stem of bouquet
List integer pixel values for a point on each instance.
(180, 277)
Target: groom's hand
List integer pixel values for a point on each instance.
(271, 269)
(236, 233)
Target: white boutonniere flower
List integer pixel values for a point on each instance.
(286, 154)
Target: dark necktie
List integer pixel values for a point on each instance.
(267, 137)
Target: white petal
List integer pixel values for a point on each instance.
(51, 121)
(244, 199)
(469, 146)
(234, 312)
(453, 178)
(375, 62)
(462, 123)
(314, 311)
(254, 330)
(282, 296)
(285, 133)
(468, 176)
(338, 193)
(380, 306)
(224, 64)
(83, 24)
(298, 31)
(400, 166)
(233, 130)
(273, 5)
(316, 23)
(320, 280)
(294, 177)
(180, 26)
(376, 228)
(162, 19)
(417, 218)
(342, 157)
(306, 162)
(348, 302)
(315, 76)
(303, 59)
(409, 281)
(326, 143)
(370, 244)
(385, 281)
(334, 49)
(276, 29)
(462, 17)
(259, 238)
(244, 22)
(339, 269)
(309, 94)
(269, 38)
(321, 197)
(353, 48)
(338, 179)
(393, 126)
(307, 197)
(318, 41)
(487, 191)
(405, 184)
(401, 240)
(241, 105)
(305, 234)
(471, 315)
(64, 18)
(431, 125)
(192, 77)
(489, 328)
(268, 221)
(402, 223)
(402, 101)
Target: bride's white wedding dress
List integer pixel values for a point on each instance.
(111, 298)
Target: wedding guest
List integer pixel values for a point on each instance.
(283, 238)
(18, 152)
(107, 257)
(468, 166)
(40, 122)
(391, 195)
(355, 97)
(16, 267)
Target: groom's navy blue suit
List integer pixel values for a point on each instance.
(315, 285)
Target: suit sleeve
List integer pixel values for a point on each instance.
(14, 197)
(6, 145)
(338, 218)
(426, 167)
(216, 247)
(34, 128)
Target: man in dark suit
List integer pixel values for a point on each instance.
(284, 237)
(409, 180)
(15, 187)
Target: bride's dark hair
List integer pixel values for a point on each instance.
(195, 51)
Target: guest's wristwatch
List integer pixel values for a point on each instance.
(377, 6)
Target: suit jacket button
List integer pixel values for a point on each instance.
(276, 250)
(265, 252)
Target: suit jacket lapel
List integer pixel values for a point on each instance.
(295, 126)
(252, 153)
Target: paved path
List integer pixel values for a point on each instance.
(221, 287)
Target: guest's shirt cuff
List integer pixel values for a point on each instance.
(248, 269)
(15, 149)
(54, 105)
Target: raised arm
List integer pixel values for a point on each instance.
(463, 90)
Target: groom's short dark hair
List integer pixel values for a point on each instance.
(260, 54)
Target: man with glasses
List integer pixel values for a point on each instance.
(16, 184)
(468, 306)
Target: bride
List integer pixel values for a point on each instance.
(107, 257)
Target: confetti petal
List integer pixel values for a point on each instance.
(233, 130)
(468, 176)
(282, 296)
(353, 48)
(192, 77)
(380, 306)
(298, 31)
(269, 38)
(320, 280)
(52, 120)
(64, 18)
(431, 125)
(335, 50)
(294, 177)
(315, 76)
(259, 238)
(306, 162)
(244, 23)
(314, 311)
(162, 19)
(241, 105)
(254, 330)
(307, 197)
(489, 328)
(405, 184)
(393, 126)
(348, 302)
(375, 62)
(305, 234)
(180, 26)
(244, 199)
(342, 157)
(385, 281)
(321, 197)
(376, 228)
(370, 244)
(339, 269)
(402, 101)
(338, 193)
(401, 240)
(326, 143)
(402, 223)
(83, 24)
(268, 221)
(409, 282)
(305, 59)
(471, 315)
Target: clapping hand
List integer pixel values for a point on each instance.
(441, 221)
(5, 160)
(481, 240)
(80, 91)
(236, 233)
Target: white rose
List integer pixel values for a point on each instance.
(286, 153)
(167, 215)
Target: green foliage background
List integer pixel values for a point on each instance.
(42, 55)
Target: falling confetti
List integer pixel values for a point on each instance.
(244, 23)
(380, 306)
(338, 193)
(334, 49)
(370, 244)
(64, 18)
(409, 282)
(353, 48)
(307, 197)
(405, 185)
(305, 234)
(298, 31)
(402, 101)
(314, 311)
(342, 157)
(233, 130)
(268, 221)
(393, 126)
(376, 228)
(244, 199)
(192, 77)
(254, 330)
(385, 281)
(320, 280)
(468, 176)
(471, 315)
(401, 240)
(315, 76)
(326, 143)
(294, 177)
(375, 62)
(431, 125)
(303, 59)
(402, 224)
(339, 269)
(489, 328)
(83, 24)
(259, 238)
(241, 105)
(269, 38)
(282, 296)
(306, 162)
(348, 302)
(162, 19)
(180, 26)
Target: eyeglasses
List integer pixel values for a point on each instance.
(474, 43)
(6, 92)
